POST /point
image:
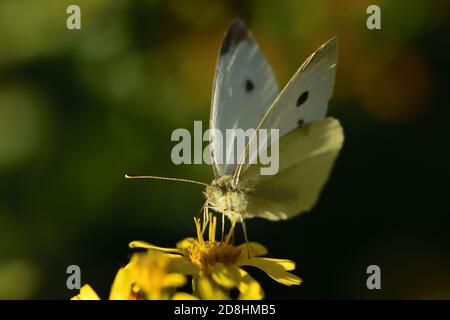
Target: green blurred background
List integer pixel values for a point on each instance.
(78, 109)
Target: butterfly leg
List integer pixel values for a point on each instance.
(244, 229)
(202, 209)
(205, 217)
(223, 226)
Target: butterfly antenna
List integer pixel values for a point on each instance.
(165, 178)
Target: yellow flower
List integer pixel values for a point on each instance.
(149, 275)
(153, 273)
(216, 265)
(86, 293)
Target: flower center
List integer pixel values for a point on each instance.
(209, 253)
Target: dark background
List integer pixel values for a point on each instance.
(78, 109)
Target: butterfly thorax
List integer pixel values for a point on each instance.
(226, 198)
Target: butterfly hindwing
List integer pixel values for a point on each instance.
(307, 156)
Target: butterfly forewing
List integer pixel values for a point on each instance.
(244, 88)
(309, 142)
(305, 98)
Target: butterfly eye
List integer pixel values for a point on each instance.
(218, 193)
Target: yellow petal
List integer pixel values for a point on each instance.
(179, 264)
(146, 245)
(173, 280)
(253, 292)
(122, 285)
(234, 277)
(185, 243)
(184, 296)
(256, 249)
(249, 287)
(208, 290)
(225, 276)
(86, 293)
(287, 265)
(275, 268)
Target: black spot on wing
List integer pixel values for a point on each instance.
(300, 123)
(249, 86)
(302, 98)
(235, 34)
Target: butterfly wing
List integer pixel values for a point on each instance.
(305, 97)
(309, 143)
(306, 158)
(244, 88)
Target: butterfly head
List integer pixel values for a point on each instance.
(224, 197)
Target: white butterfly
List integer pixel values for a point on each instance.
(246, 95)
